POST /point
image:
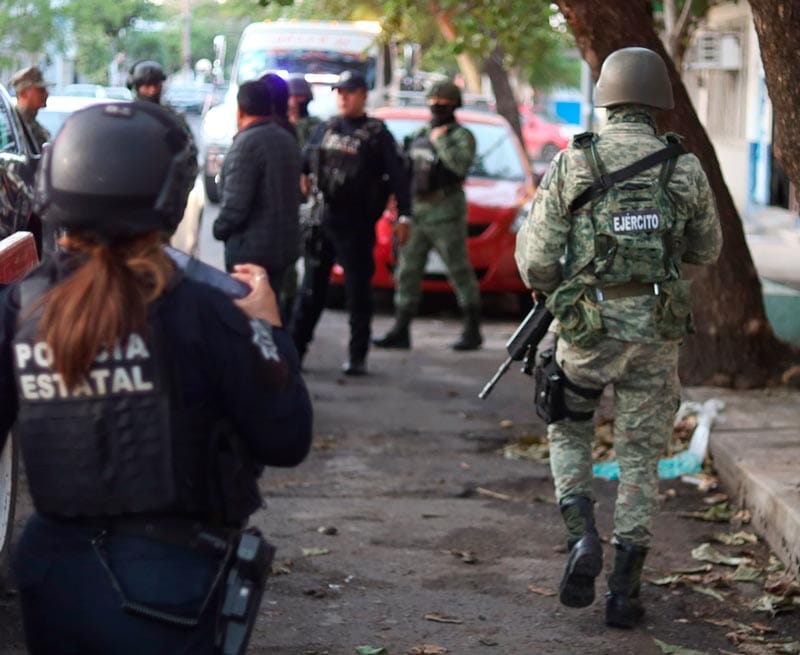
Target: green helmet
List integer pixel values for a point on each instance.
(634, 76)
(447, 90)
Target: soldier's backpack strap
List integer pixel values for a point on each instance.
(585, 142)
(604, 182)
(669, 168)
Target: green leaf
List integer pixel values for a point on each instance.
(371, 650)
(707, 553)
(676, 650)
(746, 573)
(708, 591)
(315, 552)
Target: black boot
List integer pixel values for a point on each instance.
(585, 553)
(471, 338)
(623, 607)
(399, 335)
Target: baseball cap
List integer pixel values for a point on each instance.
(28, 77)
(351, 80)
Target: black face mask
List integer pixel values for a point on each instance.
(441, 114)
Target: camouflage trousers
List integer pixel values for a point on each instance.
(449, 239)
(646, 397)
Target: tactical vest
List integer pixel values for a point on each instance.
(348, 174)
(637, 226)
(119, 443)
(429, 174)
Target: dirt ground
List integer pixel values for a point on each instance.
(408, 530)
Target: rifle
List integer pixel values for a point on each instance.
(312, 210)
(522, 344)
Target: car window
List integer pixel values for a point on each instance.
(52, 119)
(7, 141)
(496, 155)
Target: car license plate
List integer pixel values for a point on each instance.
(435, 264)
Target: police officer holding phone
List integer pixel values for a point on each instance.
(145, 404)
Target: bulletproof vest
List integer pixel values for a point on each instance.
(429, 174)
(637, 227)
(118, 443)
(345, 166)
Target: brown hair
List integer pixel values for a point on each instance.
(103, 301)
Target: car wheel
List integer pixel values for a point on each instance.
(212, 190)
(549, 150)
(8, 496)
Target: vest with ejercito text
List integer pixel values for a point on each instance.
(637, 229)
(118, 443)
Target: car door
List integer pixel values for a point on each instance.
(18, 162)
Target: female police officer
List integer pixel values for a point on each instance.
(145, 403)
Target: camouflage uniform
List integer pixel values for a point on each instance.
(630, 341)
(38, 131)
(439, 223)
(304, 126)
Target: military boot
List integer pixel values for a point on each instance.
(399, 335)
(623, 607)
(585, 553)
(471, 338)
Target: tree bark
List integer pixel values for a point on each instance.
(777, 24)
(734, 344)
(503, 93)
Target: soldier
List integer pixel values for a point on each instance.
(441, 154)
(31, 90)
(300, 95)
(622, 307)
(359, 168)
(146, 80)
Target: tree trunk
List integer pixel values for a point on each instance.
(503, 93)
(777, 24)
(734, 344)
(471, 73)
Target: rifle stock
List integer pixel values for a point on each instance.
(522, 344)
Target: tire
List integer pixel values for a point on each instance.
(212, 190)
(8, 497)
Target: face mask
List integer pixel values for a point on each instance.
(442, 114)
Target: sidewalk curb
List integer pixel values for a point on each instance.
(761, 469)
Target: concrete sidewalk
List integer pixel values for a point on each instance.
(755, 442)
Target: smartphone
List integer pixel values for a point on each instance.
(194, 269)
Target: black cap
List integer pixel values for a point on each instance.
(350, 81)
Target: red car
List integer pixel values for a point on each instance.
(499, 190)
(544, 136)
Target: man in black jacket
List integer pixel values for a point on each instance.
(358, 166)
(260, 199)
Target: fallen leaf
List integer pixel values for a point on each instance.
(773, 604)
(736, 538)
(465, 556)
(676, 650)
(282, 568)
(744, 573)
(786, 585)
(542, 591)
(328, 530)
(707, 553)
(427, 649)
(485, 641)
(715, 499)
(666, 580)
(702, 568)
(315, 552)
(494, 494)
(708, 592)
(721, 513)
(442, 618)
(506, 424)
(371, 650)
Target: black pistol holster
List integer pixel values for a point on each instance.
(550, 382)
(251, 563)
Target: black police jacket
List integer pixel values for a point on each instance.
(178, 420)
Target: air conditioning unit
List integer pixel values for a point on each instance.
(716, 51)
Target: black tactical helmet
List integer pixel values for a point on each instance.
(116, 170)
(447, 90)
(634, 76)
(299, 87)
(143, 72)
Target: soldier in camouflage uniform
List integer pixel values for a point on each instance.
(441, 154)
(622, 309)
(31, 90)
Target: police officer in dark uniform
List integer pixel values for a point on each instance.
(145, 404)
(359, 167)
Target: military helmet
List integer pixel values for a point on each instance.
(447, 90)
(636, 76)
(144, 72)
(116, 170)
(299, 87)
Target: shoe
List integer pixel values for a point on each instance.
(354, 367)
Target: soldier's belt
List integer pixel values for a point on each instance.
(628, 290)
